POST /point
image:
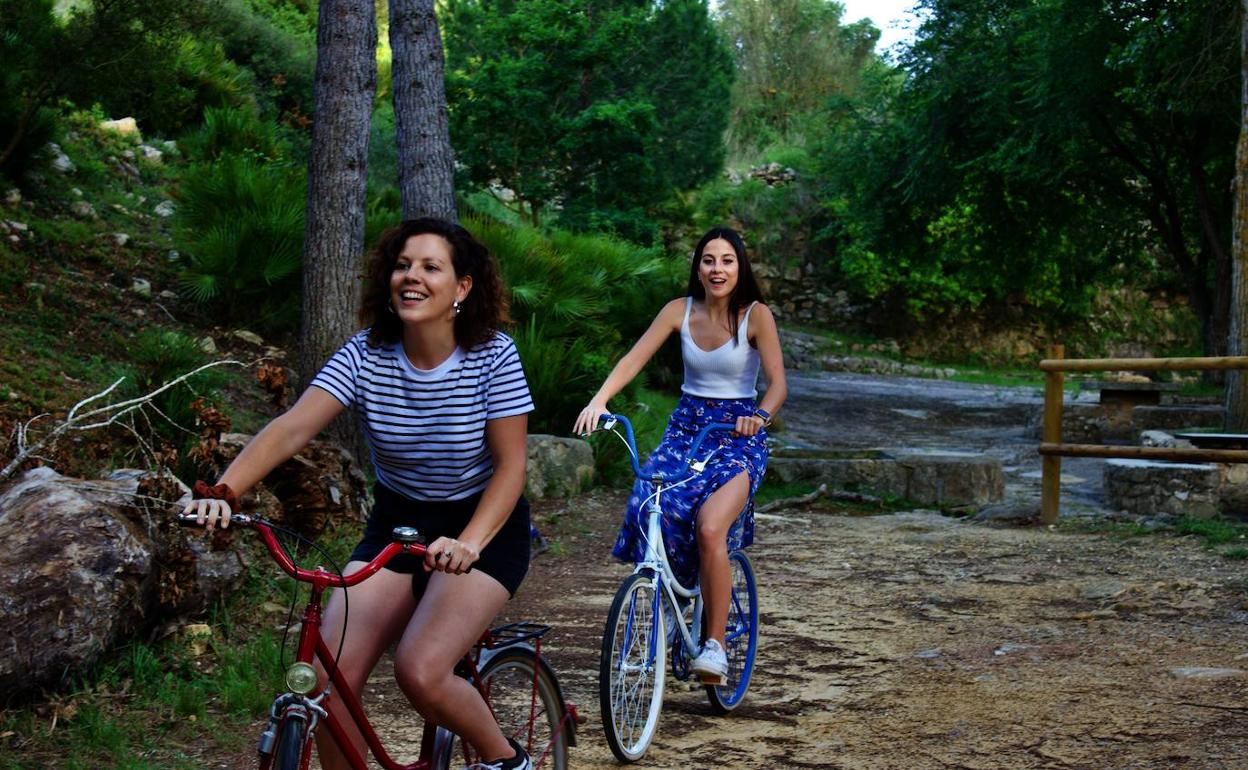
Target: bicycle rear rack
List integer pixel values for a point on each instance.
(514, 633)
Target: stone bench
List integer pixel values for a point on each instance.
(1130, 393)
(957, 480)
(1177, 489)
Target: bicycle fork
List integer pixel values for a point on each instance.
(285, 707)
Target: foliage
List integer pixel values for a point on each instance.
(237, 131)
(240, 232)
(792, 57)
(275, 41)
(24, 127)
(579, 302)
(1026, 147)
(596, 110)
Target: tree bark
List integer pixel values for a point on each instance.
(346, 79)
(1237, 381)
(426, 163)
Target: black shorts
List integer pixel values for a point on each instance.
(505, 558)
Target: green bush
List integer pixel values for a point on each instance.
(160, 355)
(240, 231)
(579, 303)
(233, 130)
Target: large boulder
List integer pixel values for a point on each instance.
(83, 565)
(558, 466)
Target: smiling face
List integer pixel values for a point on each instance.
(423, 285)
(718, 268)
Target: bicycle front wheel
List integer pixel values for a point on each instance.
(632, 667)
(535, 720)
(292, 740)
(740, 636)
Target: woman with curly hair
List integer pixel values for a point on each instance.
(444, 404)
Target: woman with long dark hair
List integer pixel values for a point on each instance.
(726, 333)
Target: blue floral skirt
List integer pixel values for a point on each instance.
(681, 503)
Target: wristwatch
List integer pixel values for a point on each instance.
(760, 412)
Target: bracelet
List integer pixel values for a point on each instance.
(201, 491)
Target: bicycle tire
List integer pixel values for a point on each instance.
(291, 742)
(632, 667)
(740, 637)
(508, 680)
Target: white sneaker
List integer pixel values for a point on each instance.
(711, 665)
(520, 761)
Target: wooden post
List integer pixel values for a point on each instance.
(1051, 469)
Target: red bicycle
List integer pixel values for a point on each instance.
(506, 666)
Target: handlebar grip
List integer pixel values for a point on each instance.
(192, 520)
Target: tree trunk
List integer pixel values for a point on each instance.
(346, 78)
(1237, 381)
(426, 163)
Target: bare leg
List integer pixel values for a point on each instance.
(379, 611)
(715, 518)
(452, 614)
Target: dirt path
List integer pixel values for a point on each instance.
(916, 641)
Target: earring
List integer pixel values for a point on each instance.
(457, 305)
(390, 307)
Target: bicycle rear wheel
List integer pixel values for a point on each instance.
(540, 725)
(632, 667)
(740, 637)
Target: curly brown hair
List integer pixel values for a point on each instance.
(484, 310)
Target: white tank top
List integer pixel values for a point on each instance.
(728, 371)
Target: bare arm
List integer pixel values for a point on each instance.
(667, 321)
(272, 446)
(766, 338)
(507, 438)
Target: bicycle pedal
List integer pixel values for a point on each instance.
(713, 679)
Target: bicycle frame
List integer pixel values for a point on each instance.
(312, 648)
(655, 558)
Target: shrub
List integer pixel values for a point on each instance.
(233, 130)
(579, 303)
(241, 235)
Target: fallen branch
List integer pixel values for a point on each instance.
(99, 417)
(788, 502)
(822, 491)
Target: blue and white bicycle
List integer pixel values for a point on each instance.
(652, 610)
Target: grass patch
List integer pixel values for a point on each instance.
(1212, 532)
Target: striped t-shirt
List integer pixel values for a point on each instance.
(426, 428)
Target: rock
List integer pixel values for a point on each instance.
(60, 161)
(151, 154)
(121, 239)
(208, 345)
(142, 287)
(165, 209)
(558, 466)
(128, 155)
(83, 210)
(12, 197)
(249, 337)
(16, 226)
(85, 565)
(1013, 513)
(1159, 438)
(318, 485)
(123, 126)
(172, 256)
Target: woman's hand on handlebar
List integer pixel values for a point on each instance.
(587, 421)
(455, 557)
(209, 512)
(749, 425)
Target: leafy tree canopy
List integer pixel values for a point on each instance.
(595, 109)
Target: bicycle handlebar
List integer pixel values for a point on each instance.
(404, 543)
(607, 421)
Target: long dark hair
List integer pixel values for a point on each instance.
(746, 290)
(482, 312)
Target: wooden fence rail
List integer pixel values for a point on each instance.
(1053, 450)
